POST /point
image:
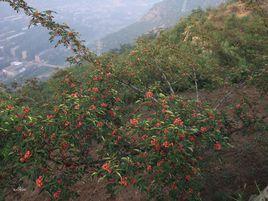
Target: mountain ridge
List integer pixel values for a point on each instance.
(163, 14)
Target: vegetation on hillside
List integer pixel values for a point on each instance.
(121, 117)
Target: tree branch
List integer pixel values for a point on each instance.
(64, 34)
(134, 88)
(227, 95)
(196, 85)
(165, 78)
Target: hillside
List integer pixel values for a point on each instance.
(181, 116)
(163, 15)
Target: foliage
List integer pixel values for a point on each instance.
(161, 148)
(210, 47)
(88, 120)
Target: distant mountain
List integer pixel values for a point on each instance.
(25, 53)
(163, 15)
